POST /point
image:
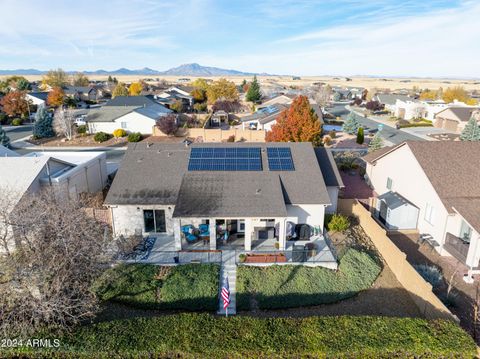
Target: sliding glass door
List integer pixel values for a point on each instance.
(154, 220)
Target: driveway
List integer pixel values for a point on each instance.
(18, 132)
(389, 134)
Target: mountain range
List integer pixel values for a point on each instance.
(193, 69)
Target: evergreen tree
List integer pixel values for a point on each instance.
(376, 143)
(253, 93)
(351, 125)
(110, 79)
(360, 136)
(4, 139)
(43, 124)
(471, 132)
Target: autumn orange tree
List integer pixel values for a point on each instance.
(15, 103)
(298, 123)
(55, 97)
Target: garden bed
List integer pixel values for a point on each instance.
(86, 141)
(203, 335)
(187, 287)
(265, 258)
(278, 287)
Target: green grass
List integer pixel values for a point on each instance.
(189, 287)
(295, 286)
(203, 335)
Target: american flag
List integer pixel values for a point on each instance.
(225, 294)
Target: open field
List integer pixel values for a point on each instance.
(367, 82)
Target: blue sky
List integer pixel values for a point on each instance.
(343, 37)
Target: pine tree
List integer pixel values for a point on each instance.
(351, 125)
(471, 132)
(253, 93)
(376, 143)
(4, 139)
(360, 136)
(43, 124)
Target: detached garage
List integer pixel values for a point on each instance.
(396, 212)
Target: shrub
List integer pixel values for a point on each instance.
(3, 118)
(338, 223)
(295, 286)
(332, 134)
(190, 286)
(231, 138)
(134, 137)
(327, 140)
(17, 122)
(200, 107)
(417, 124)
(191, 335)
(431, 274)
(119, 132)
(82, 129)
(101, 137)
(360, 136)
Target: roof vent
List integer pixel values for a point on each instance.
(258, 191)
(148, 144)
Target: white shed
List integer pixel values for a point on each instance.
(396, 212)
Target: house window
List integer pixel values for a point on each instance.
(429, 213)
(465, 232)
(389, 183)
(124, 125)
(154, 220)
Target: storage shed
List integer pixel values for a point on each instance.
(396, 212)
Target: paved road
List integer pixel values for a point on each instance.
(18, 132)
(388, 133)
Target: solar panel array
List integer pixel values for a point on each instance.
(225, 159)
(280, 159)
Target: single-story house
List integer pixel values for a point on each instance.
(131, 113)
(176, 93)
(68, 173)
(253, 191)
(37, 98)
(455, 118)
(264, 118)
(390, 100)
(349, 93)
(437, 183)
(410, 109)
(82, 93)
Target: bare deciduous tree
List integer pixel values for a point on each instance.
(322, 95)
(46, 278)
(64, 123)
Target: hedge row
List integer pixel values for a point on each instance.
(295, 286)
(416, 124)
(147, 286)
(203, 335)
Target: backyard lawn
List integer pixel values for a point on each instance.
(296, 286)
(147, 286)
(206, 336)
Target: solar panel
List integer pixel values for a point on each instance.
(225, 159)
(280, 159)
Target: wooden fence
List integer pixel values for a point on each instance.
(101, 215)
(420, 291)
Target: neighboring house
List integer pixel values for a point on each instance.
(82, 93)
(349, 93)
(67, 173)
(282, 99)
(264, 118)
(131, 113)
(455, 118)
(390, 100)
(252, 190)
(37, 98)
(410, 109)
(435, 186)
(176, 93)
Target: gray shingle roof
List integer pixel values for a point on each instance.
(108, 114)
(130, 101)
(43, 95)
(220, 194)
(461, 114)
(329, 168)
(157, 175)
(391, 99)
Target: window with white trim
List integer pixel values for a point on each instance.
(124, 125)
(429, 213)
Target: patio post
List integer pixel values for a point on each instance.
(248, 234)
(213, 233)
(176, 234)
(281, 234)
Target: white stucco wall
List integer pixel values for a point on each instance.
(135, 121)
(333, 194)
(410, 181)
(312, 214)
(128, 218)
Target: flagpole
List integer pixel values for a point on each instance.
(226, 312)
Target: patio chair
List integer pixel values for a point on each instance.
(204, 230)
(188, 231)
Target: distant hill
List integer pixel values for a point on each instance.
(182, 70)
